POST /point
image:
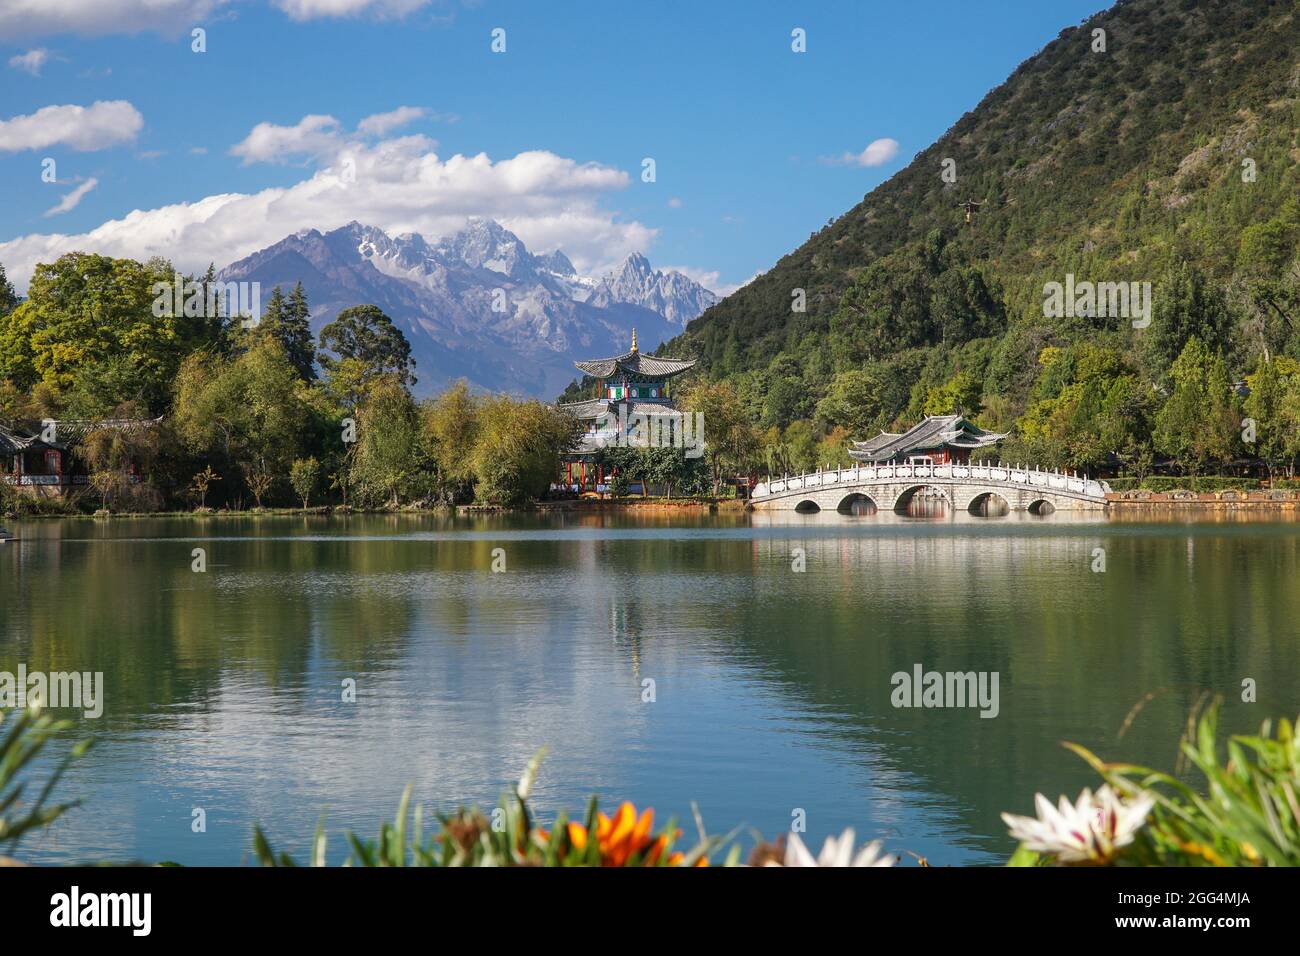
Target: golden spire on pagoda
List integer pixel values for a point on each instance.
(634, 340)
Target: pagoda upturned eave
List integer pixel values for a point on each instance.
(635, 363)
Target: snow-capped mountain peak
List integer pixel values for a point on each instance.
(445, 296)
(673, 295)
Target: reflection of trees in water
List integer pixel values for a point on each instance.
(163, 634)
(1075, 649)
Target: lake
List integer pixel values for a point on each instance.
(771, 688)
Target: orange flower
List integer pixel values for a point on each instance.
(624, 835)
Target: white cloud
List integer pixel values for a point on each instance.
(98, 126)
(70, 200)
(31, 61)
(313, 9)
(42, 17)
(313, 136)
(877, 153)
(400, 185)
(381, 123)
(321, 136)
(675, 203)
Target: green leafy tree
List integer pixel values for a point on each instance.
(90, 318)
(852, 401)
(360, 346)
(960, 395)
(8, 298)
(251, 412)
(517, 449)
(388, 455)
(304, 477)
(1268, 387)
(449, 426)
(729, 436)
(801, 446)
(1197, 426)
(1187, 305)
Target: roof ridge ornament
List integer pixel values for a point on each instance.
(634, 348)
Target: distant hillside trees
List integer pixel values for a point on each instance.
(1123, 169)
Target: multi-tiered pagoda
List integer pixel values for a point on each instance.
(635, 380)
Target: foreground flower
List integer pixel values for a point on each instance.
(1091, 831)
(836, 851)
(623, 836)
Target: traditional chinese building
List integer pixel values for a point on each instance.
(937, 440)
(41, 459)
(628, 385)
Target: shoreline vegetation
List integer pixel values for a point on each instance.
(231, 413)
(1245, 815)
(651, 503)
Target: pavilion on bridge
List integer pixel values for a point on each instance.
(938, 440)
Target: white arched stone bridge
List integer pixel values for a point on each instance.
(966, 487)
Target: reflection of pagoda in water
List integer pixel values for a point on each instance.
(629, 384)
(625, 631)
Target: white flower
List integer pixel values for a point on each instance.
(837, 851)
(1091, 831)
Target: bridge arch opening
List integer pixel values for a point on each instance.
(857, 504)
(922, 501)
(989, 505)
(807, 507)
(1042, 507)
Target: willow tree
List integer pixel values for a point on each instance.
(388, 459)
(517, 449)
(449, 425)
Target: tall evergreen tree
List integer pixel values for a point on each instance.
(288, 321)
(296, 335)
(273, 312)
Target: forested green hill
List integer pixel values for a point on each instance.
(1169, 158)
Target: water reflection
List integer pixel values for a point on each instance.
(770, 684)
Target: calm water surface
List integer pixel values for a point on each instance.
(223, 689)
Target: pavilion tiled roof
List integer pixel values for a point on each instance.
(936, 431)
(635, 363)
(11, 442)
(591, 408)
(68, 432)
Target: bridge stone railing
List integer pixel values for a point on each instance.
(1021, 476)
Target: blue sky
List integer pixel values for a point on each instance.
(749, 138)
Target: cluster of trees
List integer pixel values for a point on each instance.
(262, 415)
(920, 334)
